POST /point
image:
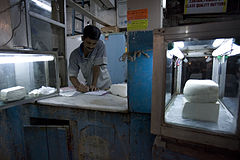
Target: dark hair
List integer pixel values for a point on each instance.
(92, 32)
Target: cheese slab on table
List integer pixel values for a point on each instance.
(13, 93)
(119, 89)
(201, 111)
(201, 91)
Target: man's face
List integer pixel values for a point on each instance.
(89, 44)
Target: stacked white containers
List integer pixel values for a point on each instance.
(201, 100)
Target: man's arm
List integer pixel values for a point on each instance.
(79, 86)
(96, 70)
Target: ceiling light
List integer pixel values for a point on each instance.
(43, 4)
(225, 47)
(176, 52)
(218, 42)
(179, 44)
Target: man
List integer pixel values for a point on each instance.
(91, 58)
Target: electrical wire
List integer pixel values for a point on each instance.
(19, 23)
(17, 3)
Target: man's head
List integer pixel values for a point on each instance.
(91, 35)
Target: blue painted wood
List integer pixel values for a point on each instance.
(97, 135)
(140, 40)
(104, 136)
(140, 72)
(11, 134)
(161, 153)
(46, 143)
(57, 143)
(115, 47)
(101, 135)
(36, 143)
(141, 139)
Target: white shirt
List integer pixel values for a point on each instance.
(97, 57)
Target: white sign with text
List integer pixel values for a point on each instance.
(205, 6)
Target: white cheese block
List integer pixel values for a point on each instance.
(119, 89)
(201, 111)
(201, 91)
(13, 93)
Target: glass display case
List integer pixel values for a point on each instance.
(196, 82)
(48, 8)
(26, 76)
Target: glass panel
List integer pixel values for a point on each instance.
(207, 75)
(232, 82)
(169, 82)
(47, 37)
(196, 68)
(49, 8)
(26, 76)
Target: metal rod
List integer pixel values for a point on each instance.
(82, 16)
(73, 21)
(79, 19)
(28, 25)
(80, 9)
(36, 15)
(78, 32)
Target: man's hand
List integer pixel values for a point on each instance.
(82, 88)
(93, 88)
(79, 86)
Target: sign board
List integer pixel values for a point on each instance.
(140, 24)
(205, 6)
(137, 14)
(137, 19)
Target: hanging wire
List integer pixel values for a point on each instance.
(15, 4)
(19, 23)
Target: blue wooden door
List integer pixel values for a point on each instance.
(48, 143)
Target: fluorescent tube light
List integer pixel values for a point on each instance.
(46, 5)
(24, 59)
(218, 42)
(176, 52)
(225, 47)
(164, 3)
(169, 54)
(235, 51)
(179, 44)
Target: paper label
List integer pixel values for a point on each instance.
(141, 24)
(205, 6)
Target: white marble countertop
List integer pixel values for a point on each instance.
(107, 102)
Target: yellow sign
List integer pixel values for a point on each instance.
(141, 24)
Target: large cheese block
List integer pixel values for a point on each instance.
(201, 91)
(13, 93)
(201, 111)
(119, 89)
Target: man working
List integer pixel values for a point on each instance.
(91, 58)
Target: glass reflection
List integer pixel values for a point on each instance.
(52, 9)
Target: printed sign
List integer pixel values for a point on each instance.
(137, 14)
(205, 6)
(137, 19)
(141, 24)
